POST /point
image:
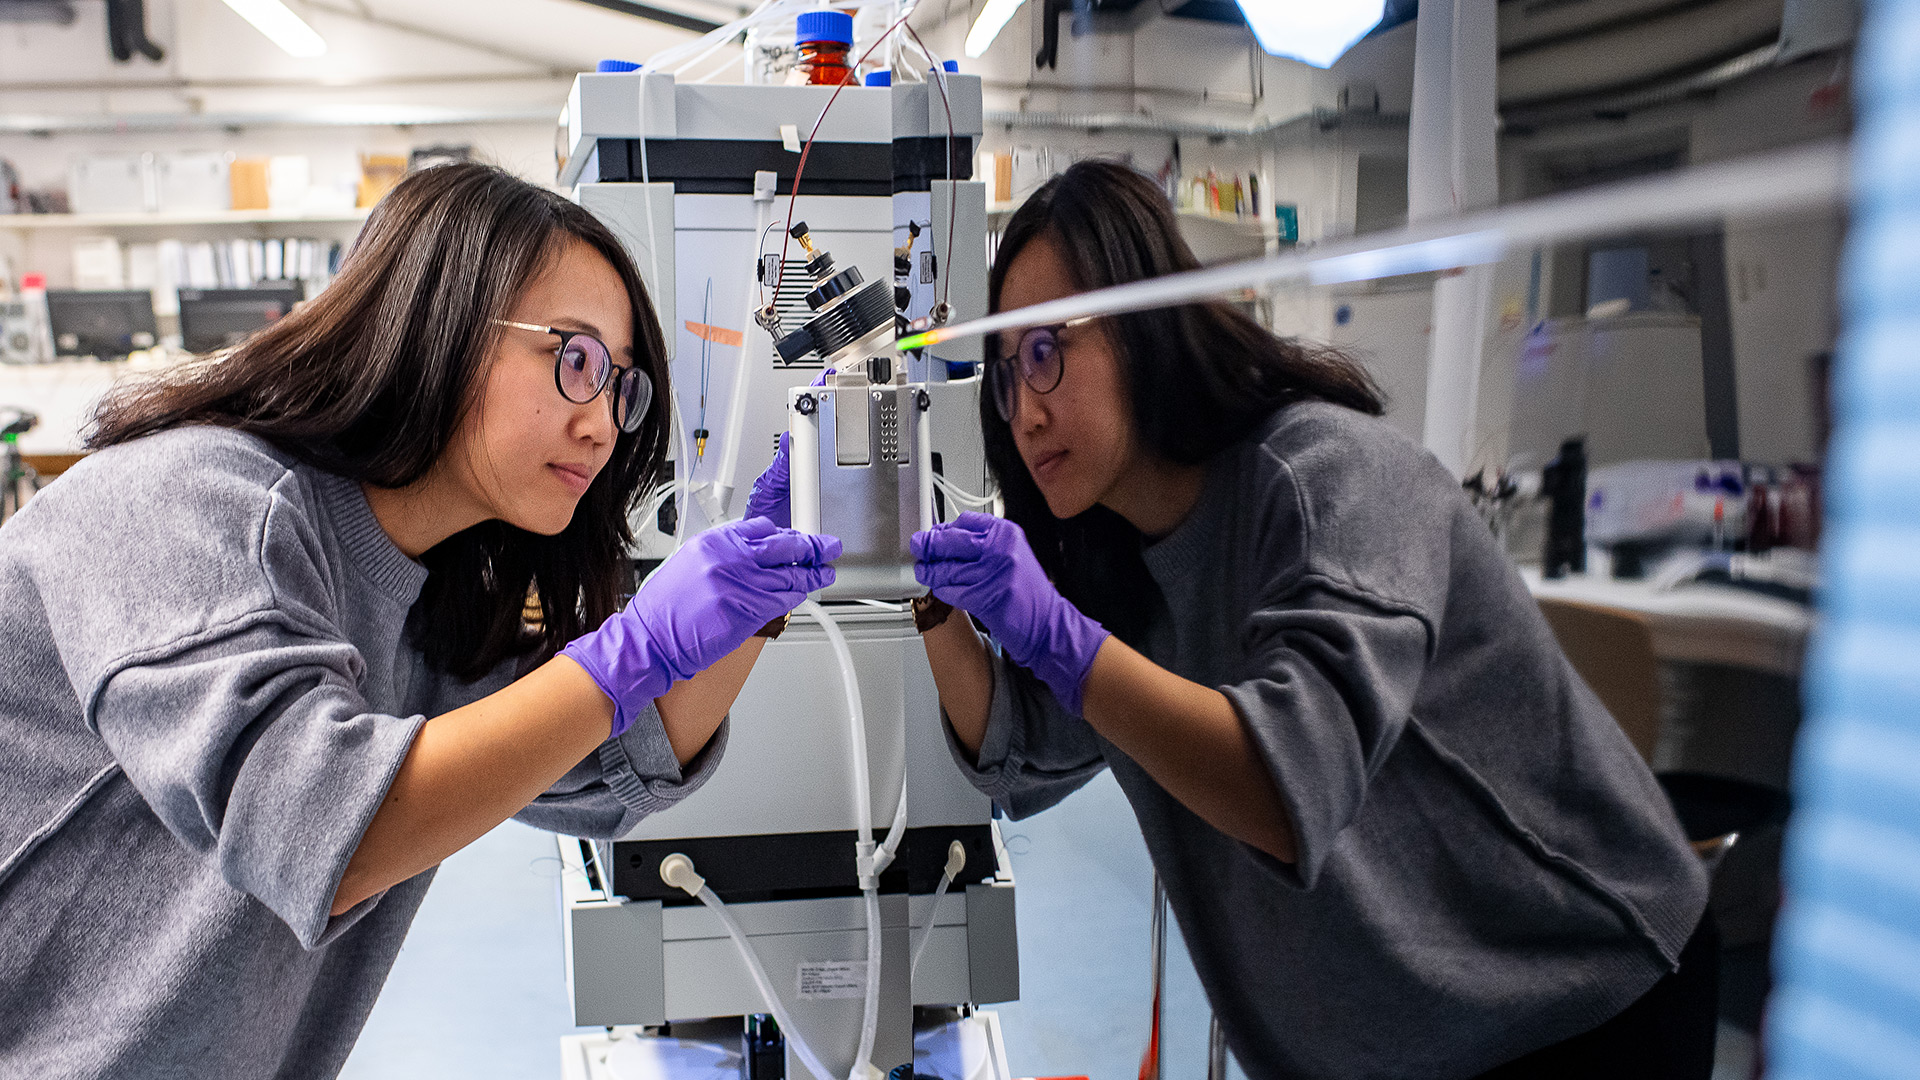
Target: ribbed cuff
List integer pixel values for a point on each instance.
(642, 772)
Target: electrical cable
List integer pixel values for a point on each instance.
(939, 71)
(706, 375)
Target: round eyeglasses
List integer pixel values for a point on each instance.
(583, 368)
(1036, 361)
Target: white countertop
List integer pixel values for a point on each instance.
(1699, 622)
(63, 394)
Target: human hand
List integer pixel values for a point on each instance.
(984, 565)
(704, 602)
(768, 497)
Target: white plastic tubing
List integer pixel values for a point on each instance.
(686, 55)
(869, 859)
(678, 871)
(723, 484)
(956, 861)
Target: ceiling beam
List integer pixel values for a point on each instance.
(657, 14)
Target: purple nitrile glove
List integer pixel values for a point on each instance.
(704, 602)
(983, 565)
(768, 498)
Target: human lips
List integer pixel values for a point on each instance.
(1046, 464)
(575, 477)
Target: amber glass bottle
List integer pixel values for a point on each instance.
(824, 39)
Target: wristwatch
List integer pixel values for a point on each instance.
(775, 628)
(930, 611)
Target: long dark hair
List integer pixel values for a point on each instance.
(1201, 376)
(371, 378)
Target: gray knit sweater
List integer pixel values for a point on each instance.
(1485, 866)
(205, 689)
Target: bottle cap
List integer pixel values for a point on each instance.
(33, 281)
(879, 78)
(824, 26)
(616, 66)
(952, 66)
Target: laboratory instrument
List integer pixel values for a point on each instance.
(777, 902)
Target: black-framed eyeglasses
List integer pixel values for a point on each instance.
(1036, 361)
(583, 368)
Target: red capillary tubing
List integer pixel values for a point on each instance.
(801, 168)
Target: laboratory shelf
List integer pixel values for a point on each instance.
(205, 217)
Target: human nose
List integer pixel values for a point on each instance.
(593, 421)
(1029, 406)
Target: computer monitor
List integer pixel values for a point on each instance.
(213, 319)
(103, 323)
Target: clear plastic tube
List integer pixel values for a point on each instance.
(723, 483)
(956, 862)
(862, 790)
(864, 847)
(926, 932)
(895, 833)
(774, 1005)
(870, 1002)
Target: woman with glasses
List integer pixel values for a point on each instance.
(1401, 837)
(268, 658)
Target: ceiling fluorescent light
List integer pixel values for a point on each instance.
(1313, 32)
(281, 26)
(987, 27)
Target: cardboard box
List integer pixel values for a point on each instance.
(249, 184)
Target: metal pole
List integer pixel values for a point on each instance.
(1150, 1062)
(1216, 1052)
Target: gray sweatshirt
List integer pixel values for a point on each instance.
(207, 690)
(1484, 864)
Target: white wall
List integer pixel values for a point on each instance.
(1781, 273)
(1389, 330)
(1780, 284)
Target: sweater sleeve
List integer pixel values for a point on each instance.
(205, 653)
(623, 781)
(252, 745)
(1330, 679)
(1034, 753)
(1356, 536)
(612, 789)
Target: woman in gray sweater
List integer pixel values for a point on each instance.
(1401, 837)
(261, 648)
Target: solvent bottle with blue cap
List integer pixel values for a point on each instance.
(823, 38)
(615, 67)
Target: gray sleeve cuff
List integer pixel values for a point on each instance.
(993, 769)
(316, 928)
(641, 770)
(1032, 754)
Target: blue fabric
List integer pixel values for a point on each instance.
(1847, 958)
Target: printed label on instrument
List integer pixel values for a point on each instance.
(826, 979)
